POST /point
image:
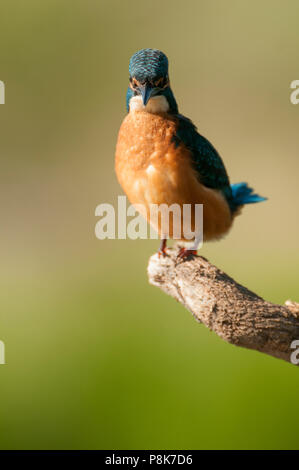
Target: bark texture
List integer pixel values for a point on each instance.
(233, 312)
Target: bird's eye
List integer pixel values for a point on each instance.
(161, 82)
(133, 83)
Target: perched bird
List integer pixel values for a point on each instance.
(162, 159)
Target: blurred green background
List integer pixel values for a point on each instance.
(97, 358)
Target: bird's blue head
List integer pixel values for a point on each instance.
(148, 71)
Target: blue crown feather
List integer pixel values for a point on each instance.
(148, 64)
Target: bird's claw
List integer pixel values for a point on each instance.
(162, 252)
(163, 248)
(184, 253)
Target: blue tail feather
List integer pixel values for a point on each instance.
(243, 194)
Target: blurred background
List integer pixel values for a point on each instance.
(96, 357)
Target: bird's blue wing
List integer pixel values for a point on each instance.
(205, 158)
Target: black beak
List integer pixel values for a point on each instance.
(146, 92)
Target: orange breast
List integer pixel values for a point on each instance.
(153, 170)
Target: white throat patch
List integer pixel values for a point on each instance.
(156, 104)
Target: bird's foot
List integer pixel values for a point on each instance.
(184, 253)
(163, 248)
(162, 252)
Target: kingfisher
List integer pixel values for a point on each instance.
(162, 159)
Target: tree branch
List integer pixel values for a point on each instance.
(233, 312)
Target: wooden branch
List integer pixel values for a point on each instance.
(233, 312)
